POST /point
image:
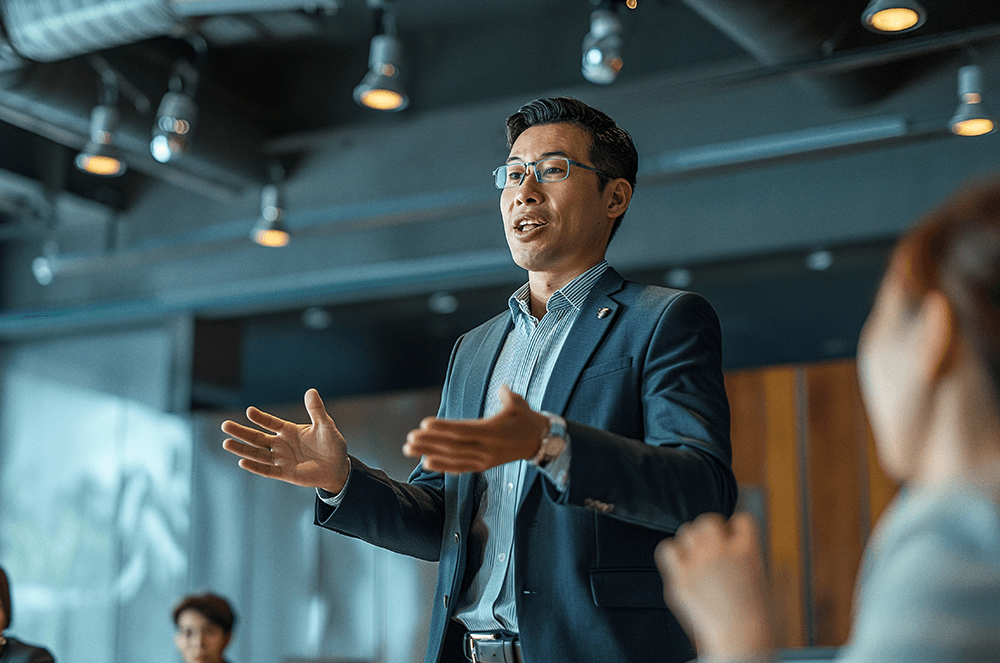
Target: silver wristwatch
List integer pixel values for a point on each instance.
(553, 443)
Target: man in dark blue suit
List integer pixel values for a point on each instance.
(575, 431)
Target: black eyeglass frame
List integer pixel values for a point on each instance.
(538, 175)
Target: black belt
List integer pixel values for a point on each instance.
(492, 647)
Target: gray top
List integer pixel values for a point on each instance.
(929, 589)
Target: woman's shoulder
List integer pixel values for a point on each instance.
(931, 588)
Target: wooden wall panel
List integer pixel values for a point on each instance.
(784, 524)
(802, 448)
(748, 416)
(837, 462)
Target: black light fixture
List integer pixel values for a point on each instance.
(602, 46)
(381, 88)
(44, 266)
(176, 115)
(893, 15)
(972, 118)
(270, 229)
(100, 156)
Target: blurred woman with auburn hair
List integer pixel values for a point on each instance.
(929, 367)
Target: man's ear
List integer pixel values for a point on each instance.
(619, 197)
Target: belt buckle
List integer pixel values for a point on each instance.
(489, 648)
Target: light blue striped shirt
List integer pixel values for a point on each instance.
(525, 365)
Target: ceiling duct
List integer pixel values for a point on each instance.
(779, 32)
(51, 30)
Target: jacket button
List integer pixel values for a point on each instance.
(457, 537)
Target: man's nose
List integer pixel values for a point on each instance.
(529, 190)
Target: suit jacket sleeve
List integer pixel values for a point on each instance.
(407, 518)
(662, 458)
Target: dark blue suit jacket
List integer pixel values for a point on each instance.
(642, 391)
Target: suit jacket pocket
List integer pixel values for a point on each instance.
(627, 588)
(605, 367)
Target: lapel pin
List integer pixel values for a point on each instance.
(603, 312)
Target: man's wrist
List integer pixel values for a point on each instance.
(553, 440)
(336, 488)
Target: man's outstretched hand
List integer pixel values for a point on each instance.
(475, 445)
(313, 455)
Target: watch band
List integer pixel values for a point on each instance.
(554, 441)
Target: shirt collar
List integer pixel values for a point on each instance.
(573, 294)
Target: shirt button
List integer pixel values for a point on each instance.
(502, 557)
(510, 487)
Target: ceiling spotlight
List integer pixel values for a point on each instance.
(44, 266)
(602, 47)
(174, 120)
(893, 15)
(381, 89)
(176, 115)
(972, 117)
(99, 155)
(269, 230)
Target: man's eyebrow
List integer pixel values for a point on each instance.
(556, 153)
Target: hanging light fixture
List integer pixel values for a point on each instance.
(972, 117)
(269, 230)
(381, 88)
(602, 46)
(99, 156)
(44, 266)
(176, 115)
(893, 15)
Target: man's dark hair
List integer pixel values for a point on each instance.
(214, 608)
(611, 147)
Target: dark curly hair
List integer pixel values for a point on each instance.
(611, 147)
(214, 608)
(5, 599)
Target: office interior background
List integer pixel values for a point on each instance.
(783, 146)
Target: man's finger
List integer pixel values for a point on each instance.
(452, 429)
(509, 399)
(315, 408)
(265, 420)
(260, 469)
(248, 435)
(451, 465)
(426, 446)
(258, 454)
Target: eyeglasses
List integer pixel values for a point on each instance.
(553, 169)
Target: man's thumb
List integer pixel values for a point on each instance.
(508, 398)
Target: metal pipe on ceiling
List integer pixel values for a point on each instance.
(51, 30)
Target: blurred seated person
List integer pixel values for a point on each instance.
(204, 627)
(11, 650)
(929, 368)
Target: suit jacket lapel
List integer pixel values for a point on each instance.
(588, 331)
(482, 368)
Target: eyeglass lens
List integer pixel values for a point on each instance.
(554, 169)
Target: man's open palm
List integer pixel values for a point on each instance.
(313, 454)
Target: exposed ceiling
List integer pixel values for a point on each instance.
(276, 82)
(275, 70)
